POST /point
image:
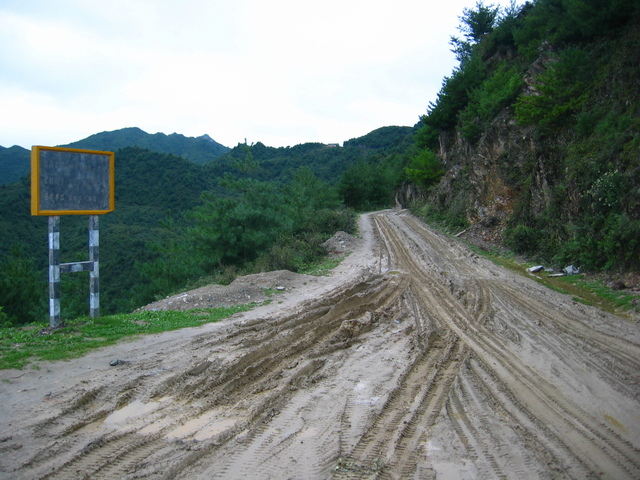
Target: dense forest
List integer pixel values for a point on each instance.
(199, 150)
(532, 143)
(177, 222)
(15, 162)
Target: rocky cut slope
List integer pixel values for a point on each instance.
(539, 137)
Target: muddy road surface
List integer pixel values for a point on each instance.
(415, 359)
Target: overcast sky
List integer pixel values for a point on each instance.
(280, 72)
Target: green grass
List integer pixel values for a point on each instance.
(270, 292)
(22, 345)
(323, 267)
(594, 292)
(581, 287)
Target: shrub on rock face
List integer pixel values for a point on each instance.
(523, 239)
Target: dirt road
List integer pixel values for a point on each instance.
(416, 359)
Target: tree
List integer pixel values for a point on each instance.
(233, 230)
(22, 290)
(425, 169)
(475, 25)
(175, 264)
(305, 196)
(564, 88)
(366, 186)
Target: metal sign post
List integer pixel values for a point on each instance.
(94, 273)
(67, 181)
(56, 268)
(54, 271)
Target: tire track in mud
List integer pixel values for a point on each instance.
(459, 370)
(611, 349)
(279, 357)
(589, 439)
(411, 406)
(591, 443)
(615, 360)
(553, 454)
(335, 322)
(113, 458)
(467, 433)
(341, 320)
(390, 448)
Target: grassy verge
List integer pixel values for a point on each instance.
(581, 287)
(19, 346)
(322, 267)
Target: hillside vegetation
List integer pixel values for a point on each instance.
(534, 139)
(179, 224)
(199, 150)
(15, 162)
(533, 143)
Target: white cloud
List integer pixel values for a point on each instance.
(277, 71)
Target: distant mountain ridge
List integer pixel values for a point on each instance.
(328, 163)
(15, 162)
(199, 150)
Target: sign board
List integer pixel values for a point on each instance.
(69, 181)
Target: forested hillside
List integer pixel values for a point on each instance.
(533, 143)
(199, 150)
(15, 162)
(176, 222)
(534, 139)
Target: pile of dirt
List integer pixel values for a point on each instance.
(251, 288)
(247, 289)
(340, 244)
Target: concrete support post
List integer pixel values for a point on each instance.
(94, 274)
(54, 271)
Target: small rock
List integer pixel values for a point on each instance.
(115, 362)
(617, 285)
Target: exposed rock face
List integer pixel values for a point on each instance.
(487, 178)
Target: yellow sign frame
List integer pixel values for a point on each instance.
(38, 183)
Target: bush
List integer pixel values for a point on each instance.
(292, 253)
(425, 169)
(22, 290)
(4, 319)
(498, 91)
(564, 88)
(367, 186)
(523, 239)
(329, 221)
(606, 243)
(450, 220)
